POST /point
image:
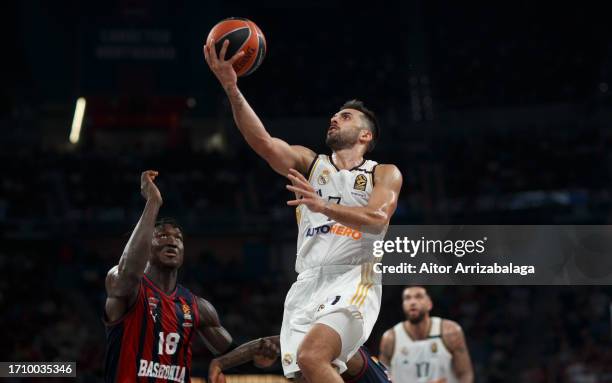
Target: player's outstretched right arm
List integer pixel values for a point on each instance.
(122, 281)
(279, 154)
(263, 352)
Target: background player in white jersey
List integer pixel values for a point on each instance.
(342, 202)
(424, 349)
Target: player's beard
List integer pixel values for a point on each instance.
(342, 139)
(417, 319)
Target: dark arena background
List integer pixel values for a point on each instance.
(498, 113)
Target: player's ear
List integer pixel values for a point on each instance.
(366, 136)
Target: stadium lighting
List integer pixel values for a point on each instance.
(77, 121)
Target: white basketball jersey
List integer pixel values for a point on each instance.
(323, 241)
(421, 361)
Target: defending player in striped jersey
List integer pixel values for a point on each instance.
(150, 318)
(343, 203)
(424, 349)
(361, 368)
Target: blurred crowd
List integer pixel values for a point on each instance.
(518, 177)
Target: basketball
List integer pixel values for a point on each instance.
(243, 35)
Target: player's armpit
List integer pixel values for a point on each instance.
(454, 339)
(121, 294)
(123, 285)
(216, 338)
(387, 343)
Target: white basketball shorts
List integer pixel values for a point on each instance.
(352, 290)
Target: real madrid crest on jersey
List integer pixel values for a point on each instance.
(324, 177)
(361, 181)
(434, 347)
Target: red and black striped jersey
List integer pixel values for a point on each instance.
(152, 341)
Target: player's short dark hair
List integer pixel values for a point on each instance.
(167, 221)
(370, 118)
(419, 286)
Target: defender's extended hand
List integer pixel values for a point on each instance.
(215, 373)
(266, 353)
(222, 68)
(306, 194)
(148, 189)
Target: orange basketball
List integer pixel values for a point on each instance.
(243, 35)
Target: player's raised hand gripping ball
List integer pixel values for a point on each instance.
(243, 36)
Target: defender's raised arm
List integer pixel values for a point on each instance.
(123, 279)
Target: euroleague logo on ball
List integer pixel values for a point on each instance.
(243, 36)
(245, 59)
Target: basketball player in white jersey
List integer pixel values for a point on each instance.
(424, 349)
(343, 202)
